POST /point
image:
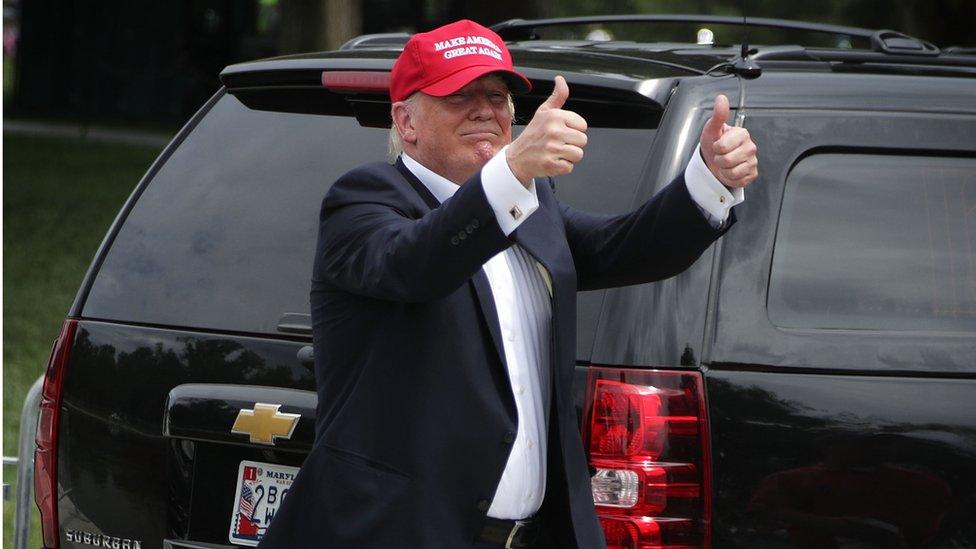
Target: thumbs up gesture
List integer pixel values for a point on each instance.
(728, 152)
(552, 142)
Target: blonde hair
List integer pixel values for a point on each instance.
(395, 142)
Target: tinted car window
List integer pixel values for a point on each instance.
(224, 235)
(606, 179)
(877, 242)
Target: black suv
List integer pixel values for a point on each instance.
(809, 382)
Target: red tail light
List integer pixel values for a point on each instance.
(356, 81)
(647, 437)
(46, 455)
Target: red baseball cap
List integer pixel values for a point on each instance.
(446, 59)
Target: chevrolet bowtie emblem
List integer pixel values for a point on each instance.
(265, 423)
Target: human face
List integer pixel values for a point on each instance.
(455, 135)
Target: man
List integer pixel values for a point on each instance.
(443, 304)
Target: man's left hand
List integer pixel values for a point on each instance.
(728, 151)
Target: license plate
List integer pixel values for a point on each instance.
(261, 487)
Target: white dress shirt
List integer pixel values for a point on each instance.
(522, 292)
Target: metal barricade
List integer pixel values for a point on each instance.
(7, 460)
(25, 465)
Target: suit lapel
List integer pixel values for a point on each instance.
(419, 187)
(487, 301)
(479, 282)
(542, 237)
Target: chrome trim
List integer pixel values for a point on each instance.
(25, 467)
(188, 544)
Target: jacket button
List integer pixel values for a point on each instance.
(454, 240)
(509, 437)
(483, 504)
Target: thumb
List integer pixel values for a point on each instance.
(713, 128)
(560, 93)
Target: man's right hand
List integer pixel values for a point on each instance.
(552, 142)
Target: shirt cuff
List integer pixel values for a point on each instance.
(511, 201)
(711, 196)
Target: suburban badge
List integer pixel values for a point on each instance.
(101, 540)
(265, 423)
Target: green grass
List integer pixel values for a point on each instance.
(59, 199)
(8, 77)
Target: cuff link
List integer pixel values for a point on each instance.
(515, 212)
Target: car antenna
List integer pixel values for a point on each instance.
(744, 69)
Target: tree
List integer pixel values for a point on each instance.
(314, 25)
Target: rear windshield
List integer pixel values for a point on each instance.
(223, 236)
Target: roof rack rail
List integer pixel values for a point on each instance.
(960, 50)
(376, 40)
(521, 29)
(850, 57)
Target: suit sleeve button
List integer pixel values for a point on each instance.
(509, 437)
(462, 235)
(469, 229)
(483, 504)
(475, 223)
(454, 240)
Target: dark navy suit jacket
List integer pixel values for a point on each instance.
(416, 411)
